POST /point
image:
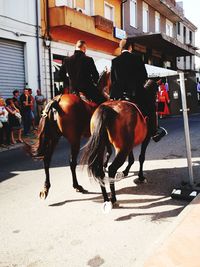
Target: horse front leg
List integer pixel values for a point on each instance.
(75, 148)
(130, 163)
(47, 160)
(112, 170)
(142, 158)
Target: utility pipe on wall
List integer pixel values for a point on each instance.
(38, 43)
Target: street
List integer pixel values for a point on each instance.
(69, 228)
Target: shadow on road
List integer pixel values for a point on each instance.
(145, 198)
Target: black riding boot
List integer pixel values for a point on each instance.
(156, 132)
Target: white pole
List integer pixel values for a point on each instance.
(186, 128)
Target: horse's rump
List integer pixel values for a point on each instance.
(126, 125)
(75, 118)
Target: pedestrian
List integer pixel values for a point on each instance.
(82, 72)
(4, 126)
(128, 76)
(198, 91)
(40, 103)
(32, 109)
(163, 100)
(14, 120)
(25, 102)
(16, 99)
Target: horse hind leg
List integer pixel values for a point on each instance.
(108, 155)
(142, 158)
(50, 146)
(130, 163)
(112, 170)
(75, 148)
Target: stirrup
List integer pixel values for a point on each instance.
(157, 137)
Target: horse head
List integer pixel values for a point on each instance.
(104, 83)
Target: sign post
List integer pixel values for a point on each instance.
(188, 190)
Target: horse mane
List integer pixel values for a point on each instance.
(46, 125)
(104, 83)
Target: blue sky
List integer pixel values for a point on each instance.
(192, 12)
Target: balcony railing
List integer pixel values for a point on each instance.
(103, 24)
(63, 17)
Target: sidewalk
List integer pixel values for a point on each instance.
(180, 247)
(28, 139)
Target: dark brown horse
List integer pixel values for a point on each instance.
(122, 124)
(68, 116)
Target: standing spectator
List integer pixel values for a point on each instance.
(25, 101)
(14, 120)
(32, 109)
(40, 102)
(198, 91)
(16, 99)
(4, 126)
(163, 100)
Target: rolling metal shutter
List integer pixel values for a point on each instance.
(12, 71)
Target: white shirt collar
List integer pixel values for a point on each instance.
(125, 51)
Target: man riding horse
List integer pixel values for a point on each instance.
(83, 74)
(128, 75)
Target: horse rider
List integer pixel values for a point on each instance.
(82, 72)
(128, 76)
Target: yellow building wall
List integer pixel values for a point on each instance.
(99, 10)
(72, 26)
(80, 4)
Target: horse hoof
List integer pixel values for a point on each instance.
(125, 173)
(43, 195)
(80, 189)
(115, 205)
(107, 207)
(140, 181)
(119, 176)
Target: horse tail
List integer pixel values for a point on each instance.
(46, 131)
(93, 152)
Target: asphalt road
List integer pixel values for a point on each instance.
(69, 228)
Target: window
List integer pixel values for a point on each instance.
(184, 34)
(169, 28)
(69, 3)
(190, 36)
(109, 11)
(157, 22)
(133, 13)
(89, 7)
(178, 28)
(145, 17)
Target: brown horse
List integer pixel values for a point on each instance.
(122, 124)
(68, 115)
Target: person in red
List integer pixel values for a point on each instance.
(163, 100)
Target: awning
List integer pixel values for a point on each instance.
(164, 44)
(152, 71)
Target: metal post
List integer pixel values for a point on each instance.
(186, 128)
(187, 191)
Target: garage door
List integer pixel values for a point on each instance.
(12, 71)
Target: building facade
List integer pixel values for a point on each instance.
(19, 46)
(64, 22)
(151, 24)
(186, 35)
(163, 36)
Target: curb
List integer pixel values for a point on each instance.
(30, 140)
(178, 246)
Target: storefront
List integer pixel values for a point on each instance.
(12, 68)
